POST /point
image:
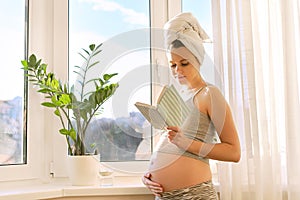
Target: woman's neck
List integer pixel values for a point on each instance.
(196, 85)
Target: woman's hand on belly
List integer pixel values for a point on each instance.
(154, 187)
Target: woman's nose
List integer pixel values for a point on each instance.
(178, 69)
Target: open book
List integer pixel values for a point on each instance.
(170, 110)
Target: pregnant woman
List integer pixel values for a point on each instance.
(179, 167)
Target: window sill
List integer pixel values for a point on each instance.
(61, 188)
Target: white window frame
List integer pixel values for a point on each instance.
(48, 40)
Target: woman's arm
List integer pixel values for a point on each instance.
(213, 103)
(227, 150)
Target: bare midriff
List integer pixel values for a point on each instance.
(175, 172)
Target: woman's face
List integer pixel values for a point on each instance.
(184, 66)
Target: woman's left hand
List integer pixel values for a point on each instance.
(176, 137)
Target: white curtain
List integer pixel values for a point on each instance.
(257, 52)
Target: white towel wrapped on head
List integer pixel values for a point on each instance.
(185, 28)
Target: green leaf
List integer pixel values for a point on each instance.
(99, 97)
(73, 134)
(106, 77)
(54, 84)
(101, 81)
(44, 90)
(97, 52)
(65, 88)
(56, 112)
(83, 114)
(83, 56)
(48, 104)
(32, 59)
(65, 99)
(98, 46)
(92, 47)
(73, 97)
(78, 73)
(95, 63)
(76, 66)
(24, 63)
(64, 131)
(55, 101)
(92, 99)
(39, 62)
(44, 68)
(88, 53)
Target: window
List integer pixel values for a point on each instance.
(12, 95)
(120, 133)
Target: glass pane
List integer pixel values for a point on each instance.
(120, 133)
(202, 11)
(12, 139)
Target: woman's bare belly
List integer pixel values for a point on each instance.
(175, 171)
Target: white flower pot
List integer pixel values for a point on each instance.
(83, 170)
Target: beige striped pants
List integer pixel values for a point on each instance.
(202, 191)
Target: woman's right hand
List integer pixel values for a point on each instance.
(154, 187)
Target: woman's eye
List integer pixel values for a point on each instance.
(173, 66)
(185, 64)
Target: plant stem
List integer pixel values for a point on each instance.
(83, 81)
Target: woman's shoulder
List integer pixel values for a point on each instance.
(210, 99)
(211, 86)
(202, 98)
(211, 89)
(209, 94)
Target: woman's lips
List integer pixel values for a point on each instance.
(181, 77)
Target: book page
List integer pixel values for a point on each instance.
(152, 115)
(172, 107)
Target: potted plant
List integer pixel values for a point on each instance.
(75, 107)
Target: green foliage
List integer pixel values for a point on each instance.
(62, 99)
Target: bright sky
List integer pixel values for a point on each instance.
(11, 48)
(103, 21)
